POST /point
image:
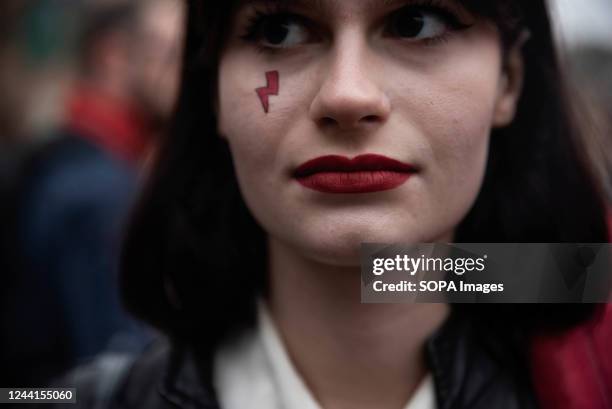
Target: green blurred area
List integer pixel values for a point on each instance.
(47, 30)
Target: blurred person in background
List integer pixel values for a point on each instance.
(79, 188)
(128, 75)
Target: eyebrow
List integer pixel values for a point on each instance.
(321, 7)
(318, 5)
(326, 7)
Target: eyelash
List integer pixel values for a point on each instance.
(442, 9)
(260, 16)
(448, 15)
(270, 10)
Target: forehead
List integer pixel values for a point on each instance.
(344, 7)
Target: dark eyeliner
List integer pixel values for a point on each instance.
(253, 25)
(436, 7)
(259, 17)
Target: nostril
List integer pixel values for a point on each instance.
(370, 118)
(327, 121)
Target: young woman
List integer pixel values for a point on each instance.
(305, 128)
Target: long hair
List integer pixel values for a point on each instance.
(194, 259)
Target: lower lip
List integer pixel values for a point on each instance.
(354, 182)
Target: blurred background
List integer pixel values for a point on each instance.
(584, 29)
(87, 90)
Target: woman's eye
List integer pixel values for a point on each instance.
(417, 23)
(279, 31)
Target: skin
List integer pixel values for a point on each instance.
(156, 58)
(349, 90)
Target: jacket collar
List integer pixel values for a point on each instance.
(450, 353)
(188, 382)
(464, 371)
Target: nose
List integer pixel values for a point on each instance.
(349, 96)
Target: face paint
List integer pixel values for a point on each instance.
(270, 89)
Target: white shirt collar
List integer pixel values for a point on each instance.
(256, 372)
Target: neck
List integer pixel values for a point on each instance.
(349, 354)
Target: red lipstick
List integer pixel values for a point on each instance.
(362, 174)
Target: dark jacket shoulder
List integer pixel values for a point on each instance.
(467, 373)
(120, 381)
(475, 368)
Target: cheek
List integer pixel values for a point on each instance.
(257, 139)
(461, 146)
(452, 106)
(459, 125)
(448, 109)
(249, 131)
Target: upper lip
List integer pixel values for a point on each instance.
(336, 163)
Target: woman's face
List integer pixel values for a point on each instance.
(418, 82)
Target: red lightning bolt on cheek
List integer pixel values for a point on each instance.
(270, 89)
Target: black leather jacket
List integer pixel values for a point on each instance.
(468, 372)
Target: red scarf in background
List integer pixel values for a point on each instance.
(110, 123)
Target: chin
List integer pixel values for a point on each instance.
(345, 255)
(340, 245)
